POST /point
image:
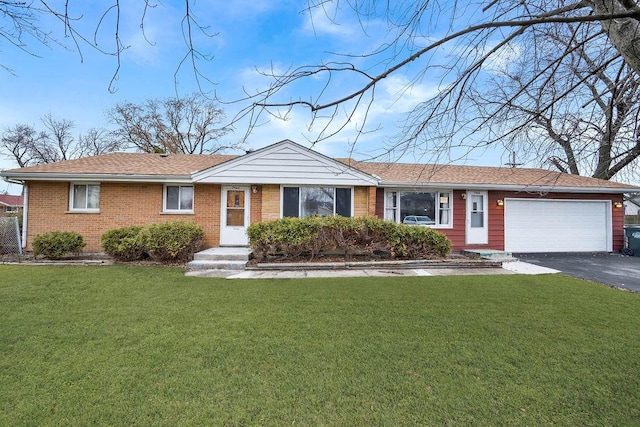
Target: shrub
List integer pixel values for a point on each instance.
(124, 244)
(314, 236)
(171, 241)
(418, 242)
(56, 244)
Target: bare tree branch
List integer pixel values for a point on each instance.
(190, 125)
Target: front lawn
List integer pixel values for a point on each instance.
(126, 345)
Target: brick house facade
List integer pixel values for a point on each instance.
(476, 207)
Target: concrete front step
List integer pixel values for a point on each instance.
(490, 254)
(223, 254)
(216, 265)
(224, 258)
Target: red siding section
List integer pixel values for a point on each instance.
(457, 234)
(380, 202)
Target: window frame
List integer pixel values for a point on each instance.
(85, 209)
(393, 213)
(335, 200)
(179, 210)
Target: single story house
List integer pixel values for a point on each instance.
(10, 205)
(512, 209)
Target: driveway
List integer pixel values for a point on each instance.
(611, 269)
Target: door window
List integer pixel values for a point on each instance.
(235, 208)
(477, 211)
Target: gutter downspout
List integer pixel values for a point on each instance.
(25, 212)
(25, 209)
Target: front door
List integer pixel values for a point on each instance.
(477, 231)
(234, 216)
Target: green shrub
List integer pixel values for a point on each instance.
(418, 242)
(56, 244)
(333, 235)
(124, 244)
(171, 241)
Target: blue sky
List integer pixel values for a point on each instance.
(250, 34)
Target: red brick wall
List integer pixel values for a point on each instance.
(121, 205)
(125, 204)
(256, 205)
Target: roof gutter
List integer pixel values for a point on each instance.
(14, 177)
(11, 181)
(511, 187)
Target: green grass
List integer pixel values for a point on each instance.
(141, 346)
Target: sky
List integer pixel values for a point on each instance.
(250, 35)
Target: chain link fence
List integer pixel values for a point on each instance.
(10, 236)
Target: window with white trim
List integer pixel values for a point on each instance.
(321, 201)
(84, 197)
(432, 208)
(178, 198)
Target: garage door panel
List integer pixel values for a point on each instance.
(556, 226)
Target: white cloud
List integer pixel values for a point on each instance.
(152, 40)
(323, 20)
(402, 95)
(499, 61)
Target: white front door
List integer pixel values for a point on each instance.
(477, 230)
(234, 216)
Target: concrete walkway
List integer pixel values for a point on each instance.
(515, 267)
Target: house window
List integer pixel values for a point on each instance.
(178, 198)
(85, 197)
(432, 208)
(321, 201)
(11, 209)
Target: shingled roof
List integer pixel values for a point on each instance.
(129, 164)
(11, 200)
(157, 167)
(420, 175)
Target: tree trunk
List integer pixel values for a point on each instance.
(624, 33)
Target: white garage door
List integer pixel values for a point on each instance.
(557, 225)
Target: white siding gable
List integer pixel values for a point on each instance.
(284, 163)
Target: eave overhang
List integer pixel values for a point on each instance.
(17, 176)
(510, 187)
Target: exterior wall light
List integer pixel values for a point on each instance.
(254, 189)
(500, 202)
(617, 205)
(463, 196)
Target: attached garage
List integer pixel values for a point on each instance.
(535, 225)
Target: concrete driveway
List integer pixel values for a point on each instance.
(611, 269)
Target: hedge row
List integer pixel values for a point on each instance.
(167, 242)
(315, 236)
(308, 237)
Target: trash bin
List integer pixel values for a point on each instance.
(632, 235)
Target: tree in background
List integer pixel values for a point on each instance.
(579, 115)
(459, 43)
(190, 125)
(55, 142)
(556, 81)
(21, 25)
